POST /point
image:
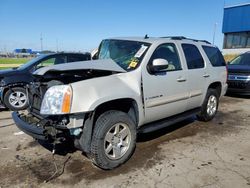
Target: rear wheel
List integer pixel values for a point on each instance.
(113, 140)
(210, 106)
(16, 99)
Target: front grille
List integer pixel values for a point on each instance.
(36, 92)
(239, 85)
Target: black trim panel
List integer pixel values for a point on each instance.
(168, 121)
(30, 129)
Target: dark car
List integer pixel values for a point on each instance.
(13, 81)
(239, 75)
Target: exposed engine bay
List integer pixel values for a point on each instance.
(37, 89)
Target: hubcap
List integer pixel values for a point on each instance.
(212, 105)
(18, 99)
(117, 141)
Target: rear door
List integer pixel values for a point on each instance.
(197, 75)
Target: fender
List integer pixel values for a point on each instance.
(89, 94)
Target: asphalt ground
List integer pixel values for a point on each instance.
(187, 154)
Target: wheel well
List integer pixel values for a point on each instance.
(126, 105)
(7, 88)
(217, 86)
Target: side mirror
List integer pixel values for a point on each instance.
(159, 65)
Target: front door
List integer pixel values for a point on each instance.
(166, 93)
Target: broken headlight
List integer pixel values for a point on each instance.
(57, 100)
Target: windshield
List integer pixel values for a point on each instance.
(31, 62)
(243, 59)
(127, 54)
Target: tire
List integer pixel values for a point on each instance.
(16, 99)
(209, 107)
(109, 149)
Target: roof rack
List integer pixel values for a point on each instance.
(184, 38)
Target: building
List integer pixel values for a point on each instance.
(236, 29)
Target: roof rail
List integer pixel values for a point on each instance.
(175, 37)
(184, 38)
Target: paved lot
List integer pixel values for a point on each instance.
(188, 154)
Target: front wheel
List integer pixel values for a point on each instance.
(210, 106)
(16, 99)
(114, 139)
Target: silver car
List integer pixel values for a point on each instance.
(136, 85)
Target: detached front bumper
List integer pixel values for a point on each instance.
(30, 126)
(55, 129)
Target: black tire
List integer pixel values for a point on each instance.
(204, 115)
(103, 126)
(22, 105)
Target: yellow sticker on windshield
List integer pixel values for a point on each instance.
(133, 64)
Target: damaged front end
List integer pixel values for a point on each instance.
(52, 126)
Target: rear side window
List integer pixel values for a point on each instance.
(193, 56)
(74, 58)
(214, 55)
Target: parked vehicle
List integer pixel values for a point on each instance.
(13, 81)
(239, 75)
(137, 85)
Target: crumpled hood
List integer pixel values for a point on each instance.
(106, 65)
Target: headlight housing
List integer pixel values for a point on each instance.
(57, 100)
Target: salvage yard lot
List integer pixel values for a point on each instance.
(16, 62)
(188, 154)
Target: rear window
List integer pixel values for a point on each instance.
(214, 55)
(193, 56)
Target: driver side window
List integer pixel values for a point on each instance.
(52, 61)
(47, 62)
(169, 53)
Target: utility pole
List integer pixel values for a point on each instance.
(41, 40)
(56, 45)
(215, 27)
(5, 49)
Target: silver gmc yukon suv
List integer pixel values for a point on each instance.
(135, 85)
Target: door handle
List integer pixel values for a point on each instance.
(206, 75)
(181, 80)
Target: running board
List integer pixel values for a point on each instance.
(167, 121)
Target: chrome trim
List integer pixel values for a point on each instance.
(195, 93)
(238, 77)
(165, 100)
(1, 91)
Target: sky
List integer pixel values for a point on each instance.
(80, 25)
